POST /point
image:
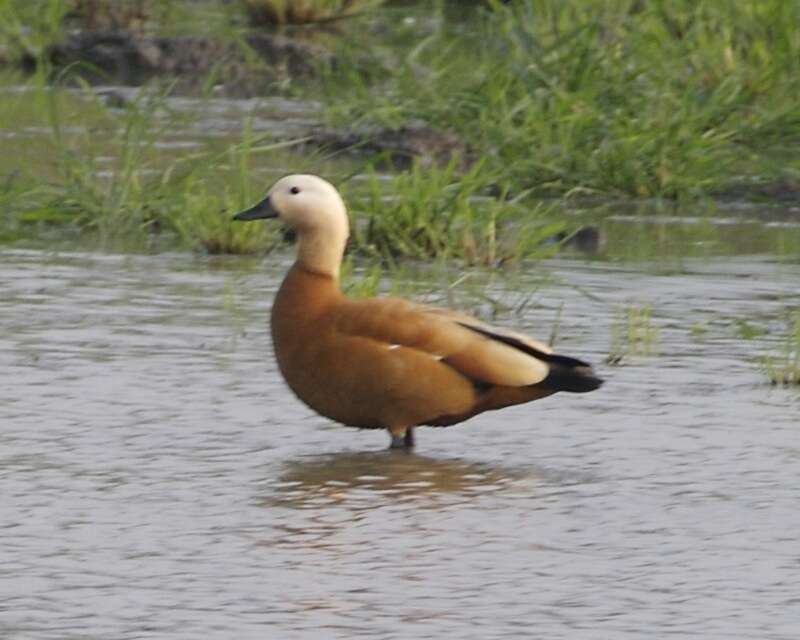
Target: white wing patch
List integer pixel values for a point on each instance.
(435, 356)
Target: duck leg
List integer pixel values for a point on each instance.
(402, 439)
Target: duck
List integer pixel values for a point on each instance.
(390, 363)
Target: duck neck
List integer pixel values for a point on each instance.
(320, 251)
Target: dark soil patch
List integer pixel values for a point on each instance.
(246, 68)
(398, 148)
(781, 192)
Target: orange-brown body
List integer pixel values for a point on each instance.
(363, 381)
(385, 362)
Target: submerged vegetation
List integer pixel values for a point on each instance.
(632, 334)
(784, 368)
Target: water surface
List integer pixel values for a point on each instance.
(159, 481)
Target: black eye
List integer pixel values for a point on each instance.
(294, 190)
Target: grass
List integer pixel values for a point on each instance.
(637, 98)
(630, 98)
(27, 29)
(784, 368)
(439, 212)
(204, 220)
(632, 334)
(103, 173)
(748, 330)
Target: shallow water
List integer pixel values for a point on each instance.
(159, 481)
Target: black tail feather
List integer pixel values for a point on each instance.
(566, 373)
(577, 379)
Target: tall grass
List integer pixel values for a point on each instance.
(102, 173)
(640, 98)
(27, 29)
(636, 97)
(441, 212)
(111, 199)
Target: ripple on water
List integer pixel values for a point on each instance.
(159, 481)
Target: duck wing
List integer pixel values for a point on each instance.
(483, 353)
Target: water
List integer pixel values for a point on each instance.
(159, 481)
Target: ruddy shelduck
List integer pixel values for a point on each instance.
(389, 363)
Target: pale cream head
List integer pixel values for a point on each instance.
(313, 207)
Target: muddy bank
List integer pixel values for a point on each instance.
(244, 70)
(783, 192)
(236, 69)
(396, 148)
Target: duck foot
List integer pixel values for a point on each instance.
(403, 440)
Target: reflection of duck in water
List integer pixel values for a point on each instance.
(385, 362)
(336, 478)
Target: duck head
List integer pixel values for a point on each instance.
(315, 210)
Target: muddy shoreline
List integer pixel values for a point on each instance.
(242, 71)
